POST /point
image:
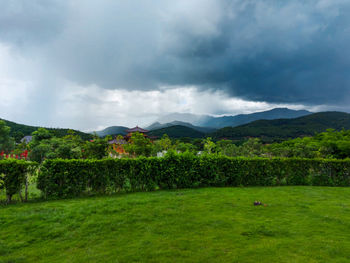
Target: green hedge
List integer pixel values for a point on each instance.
(66, 178)
(13, 175)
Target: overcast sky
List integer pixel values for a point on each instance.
(89, 64)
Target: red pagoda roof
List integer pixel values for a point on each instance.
(137, 129)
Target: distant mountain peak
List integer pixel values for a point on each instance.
(112, 130)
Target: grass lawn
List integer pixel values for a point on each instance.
(300, 224)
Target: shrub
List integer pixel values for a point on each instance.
(64, 178)
(13, 176)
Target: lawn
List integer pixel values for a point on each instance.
(299, 224)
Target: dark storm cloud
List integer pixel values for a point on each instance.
(290, 51)
(25, 23)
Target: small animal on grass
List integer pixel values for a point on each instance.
(256, 203)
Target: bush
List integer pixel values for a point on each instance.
(13, 176)
(65, 178)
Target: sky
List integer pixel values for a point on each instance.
(87, 64)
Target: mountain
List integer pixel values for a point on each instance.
(158, 125)
(277, 113)
(280, 129)
(177, 131)
(21, 130)
(205, 123)
(233, 121)
(184, 117)
(113, 130)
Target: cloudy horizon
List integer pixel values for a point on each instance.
(91, 64)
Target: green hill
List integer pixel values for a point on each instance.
(281, 129)
(158, 125)
(113, 130)
(177, 131)
(20, 130)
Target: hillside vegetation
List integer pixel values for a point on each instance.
(20, 130)
(157, 126)
(177, 131)
(281, 129)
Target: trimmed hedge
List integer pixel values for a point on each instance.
(67, 178)
(13, 176)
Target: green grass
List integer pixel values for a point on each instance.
(300, 224)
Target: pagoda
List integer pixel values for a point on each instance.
(135, 129)
(118, 143)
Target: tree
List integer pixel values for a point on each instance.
(209, 145)
(329, 144)
(45, 146)
(186, 147)
(18, 135)
(228, 148)
(6, 141)
(164, 144)
(251, 148)
(39, 135)
(40, 152)
(139, 145)
(198, 143)
(96, 148)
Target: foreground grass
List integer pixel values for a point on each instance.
(300, 224)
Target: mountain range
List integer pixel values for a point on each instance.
(232, 121)
(205, 123)
(268, 130)
(157, 128)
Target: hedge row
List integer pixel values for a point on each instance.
(13, 175)
(65, 178)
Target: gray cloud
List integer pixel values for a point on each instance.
(289, 51)
(26, 23)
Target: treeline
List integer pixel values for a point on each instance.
(18, 131)
(51, 144)
(45, 145)
(330, 144)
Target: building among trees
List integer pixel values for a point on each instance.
(135, 129)
(119, 142)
